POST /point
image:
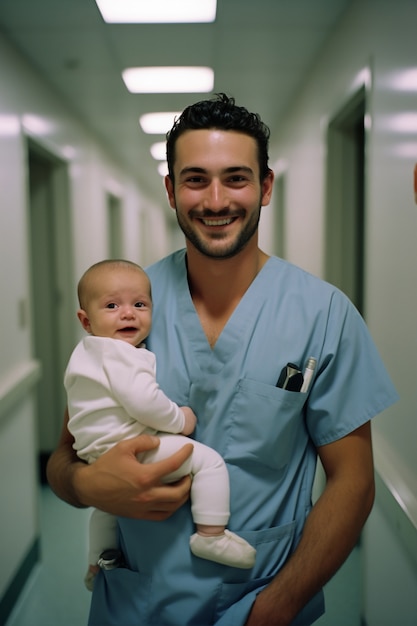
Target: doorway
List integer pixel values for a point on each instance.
(279, 215)
(114, 220)
(345, 200)
(53, 304)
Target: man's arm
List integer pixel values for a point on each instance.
(117, 482)
(331, 531)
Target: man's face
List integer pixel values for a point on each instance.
(217, 193)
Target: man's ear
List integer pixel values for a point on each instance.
(267, 187)
(169, 186)
(85, 322)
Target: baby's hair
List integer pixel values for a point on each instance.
(84, 286)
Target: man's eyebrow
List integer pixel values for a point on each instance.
(238, 168)
(192, 170)
(227, 170)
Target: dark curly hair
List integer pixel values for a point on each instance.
(220, 113)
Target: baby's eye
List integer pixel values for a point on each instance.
(111, 305)
(139, 305)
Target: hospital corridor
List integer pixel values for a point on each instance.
(84, 112)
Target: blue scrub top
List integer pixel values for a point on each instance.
(267, 436)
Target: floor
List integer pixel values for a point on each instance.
(55, 593)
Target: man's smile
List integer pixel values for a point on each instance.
(225, 221)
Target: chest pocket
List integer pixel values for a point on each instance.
(264, 422)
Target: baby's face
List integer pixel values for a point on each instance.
(120, 306)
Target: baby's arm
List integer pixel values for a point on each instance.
(190, 420)
(131, 375)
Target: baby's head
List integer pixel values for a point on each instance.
(115, 301)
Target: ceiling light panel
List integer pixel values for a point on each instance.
(168, 79)
(157, 11)
(158, 123)
(405, 80)
(159, 151)
(163, 168)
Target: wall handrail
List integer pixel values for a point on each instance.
(17, 383)
(395, 492)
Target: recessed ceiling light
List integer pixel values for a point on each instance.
(36, 125)
(163, 168)
(159, 151)
(9, 125)
(402, 122)
(157, 123)
(169, 79)
(405, 150)
(157, 11)
(405, 80)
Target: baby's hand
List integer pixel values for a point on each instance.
(190, 420)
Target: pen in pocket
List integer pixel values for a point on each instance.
(308, 374)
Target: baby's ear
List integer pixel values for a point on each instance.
(85, 322)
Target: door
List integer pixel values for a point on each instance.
(52, 291)
(345, 202)
(279, 215)
(114, 218)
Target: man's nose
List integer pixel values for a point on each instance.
(216, 197)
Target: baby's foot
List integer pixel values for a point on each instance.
(90, 576)
(227, 549)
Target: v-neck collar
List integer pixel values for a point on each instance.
(236, 326)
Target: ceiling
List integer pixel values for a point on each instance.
(260, 50)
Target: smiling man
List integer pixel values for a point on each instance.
(228, 319)
(218, 205)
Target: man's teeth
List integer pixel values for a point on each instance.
(219, 222)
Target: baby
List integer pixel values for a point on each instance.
(113, 394)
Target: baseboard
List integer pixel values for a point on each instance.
(14, 590)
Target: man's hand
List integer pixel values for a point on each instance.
(117, 483)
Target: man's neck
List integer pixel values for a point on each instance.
(218, 285)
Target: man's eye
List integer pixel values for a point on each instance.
(195, 180)
(237, 179)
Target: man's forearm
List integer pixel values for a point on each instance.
(60, 471)
(330, 533)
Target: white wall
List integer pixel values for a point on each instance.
(25, 99)
(18, 487)
(381, 36)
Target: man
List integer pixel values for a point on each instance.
(229, 319)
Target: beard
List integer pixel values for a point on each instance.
(205, 245)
